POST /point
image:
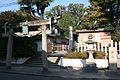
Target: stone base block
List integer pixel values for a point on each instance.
(90, 68)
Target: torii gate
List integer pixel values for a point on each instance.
(10, 35)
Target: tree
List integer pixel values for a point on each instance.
(116, 35)
(65, 22)
(33, 6)
(71, 15)
(13, 17)
(92, 19)
(111, 8)
(56, 11)
(77, 11)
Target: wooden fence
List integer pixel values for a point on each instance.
(99, 46)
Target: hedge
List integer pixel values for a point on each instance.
(99, 55)
(76, 55)
(85, 55)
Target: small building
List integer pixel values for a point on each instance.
(102, 37)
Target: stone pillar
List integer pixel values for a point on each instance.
(113, 58)
(70, 39)
(9, 49)
(44, 48)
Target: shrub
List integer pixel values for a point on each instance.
(76, 55)
(99, 55)
(22, 47)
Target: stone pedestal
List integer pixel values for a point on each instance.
(90, 59)
(90, 64)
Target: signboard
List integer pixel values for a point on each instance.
(25, 29)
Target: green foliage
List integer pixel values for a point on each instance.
(116, 35)
(10, 17)
(21, 47)
(65, 22)
(13, 17)
(92, 19)
(3, 47)
(99, 55)
(71, 16)
(77, 11)
(111, 8)
(24, 47)
(34, 6)
(55, 11)
(76, 55)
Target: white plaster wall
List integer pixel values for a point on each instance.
(101, 63)
(80, 63)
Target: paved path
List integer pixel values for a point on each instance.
(7, 76)
(61, 73)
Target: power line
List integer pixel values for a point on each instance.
(9, 4)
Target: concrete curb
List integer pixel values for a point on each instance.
(47, 75)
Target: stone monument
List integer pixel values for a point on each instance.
(113, 58)
(90, 63)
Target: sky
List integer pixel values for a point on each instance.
(5, 4)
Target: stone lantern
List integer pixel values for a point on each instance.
(90, 48)
(90, 63)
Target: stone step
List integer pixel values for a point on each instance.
(40, 63)
(36, 61)
(41, 66)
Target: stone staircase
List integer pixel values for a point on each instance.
(36, 61)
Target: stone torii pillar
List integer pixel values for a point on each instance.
(44, 48)
(70, 39)
(9, 49)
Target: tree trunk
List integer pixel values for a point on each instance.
(42, 12)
